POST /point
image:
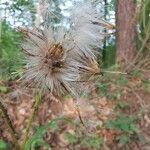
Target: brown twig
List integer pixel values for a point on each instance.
(79, 115)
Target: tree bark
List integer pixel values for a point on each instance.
(125, 31)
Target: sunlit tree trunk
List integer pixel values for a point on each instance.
(125, 30)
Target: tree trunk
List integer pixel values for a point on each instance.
(125, 30)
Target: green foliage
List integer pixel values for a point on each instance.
(102, 88)
(37, 138)
(72, 138)
(122, 80)
(144, 16)
(122, 105)
(144, 27)
(109, 58)
(92, 141)
(123, 139)
(146, 84)
(109, 50)
(10, 54)
(126, 124)
(87, 141)
(114, 95)
(108, 85)
(3, 145)
(123, 122)
(3, 89)
(110, 6)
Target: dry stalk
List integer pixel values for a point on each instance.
(10, 126)
(30, 120)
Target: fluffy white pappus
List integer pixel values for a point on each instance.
(86, 33)
(62, 60)
(49, 64)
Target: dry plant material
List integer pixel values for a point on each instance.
(60, 60)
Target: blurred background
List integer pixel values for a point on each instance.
(16, 13)
(115, 114)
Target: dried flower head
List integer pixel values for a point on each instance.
(85, 32)
(60, 60)
(48, 62)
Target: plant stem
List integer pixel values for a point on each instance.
(10, 126)
(30, 120)
(79, 115)
(114, 72)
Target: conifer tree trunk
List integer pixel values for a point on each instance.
(125, 30)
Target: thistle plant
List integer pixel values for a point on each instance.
(60, 60)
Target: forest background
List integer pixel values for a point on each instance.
(115, 114)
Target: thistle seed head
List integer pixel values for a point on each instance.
(49, 63)
(59, 61)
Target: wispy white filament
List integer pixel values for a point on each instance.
(60, 60)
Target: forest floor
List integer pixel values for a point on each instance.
(114, 116)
